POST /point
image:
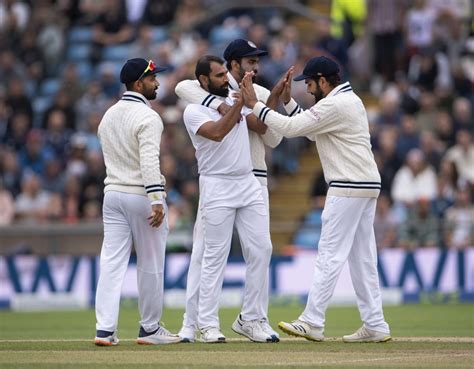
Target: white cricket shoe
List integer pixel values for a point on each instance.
(187, 334)
(212, 335)
(159, 337)
(364, 334)
(267, 328)
(299, 328)
(107, 340)
(252, 329)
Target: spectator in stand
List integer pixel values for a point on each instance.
(63, 102)
(111, 28)
(93, 100)
(431, 149)
(10, 170)
(444, 129)
(90, 136)
(144, 44)
(159, 13)
(414, 181)
(385, 223)
(35, 154)
(14, 17)
(72, 199)
(17, 99)
(419, 21)
(108, 81)
(387, 158)
(333, 47)
(7, 206)
(76, 162)
(53, 178)
(462, 155)
(459, 231)
(57, 136)
(17, 130)
(390, 113)
(32, 57)
(421, 229)
(409, 136)
(384, 20)
(447, 182)
(32, 204)
(426, 116)
(462, 114)
(72, 82)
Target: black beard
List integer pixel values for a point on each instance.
(222, 91)
(150, 95)
(318, 95)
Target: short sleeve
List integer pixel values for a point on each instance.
(194, 118)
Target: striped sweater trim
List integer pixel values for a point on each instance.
(356, 185)
(259, 173)
(128, 97)
(296, 110)
(155, 188)
(207, 101)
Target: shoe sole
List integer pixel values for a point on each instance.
(385, 339)
(269, 340)
(187, 340)
(218, 341)
(142, 342)
(104, 343)
(295, 334)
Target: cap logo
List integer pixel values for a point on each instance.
(251, 44)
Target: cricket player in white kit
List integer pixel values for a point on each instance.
(241, 56)
(338, 124)
(229, 194)
(134, 210)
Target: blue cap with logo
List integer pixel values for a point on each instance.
(318, 67)
(137, 68)
(241, 48)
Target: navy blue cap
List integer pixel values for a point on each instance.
(317, 67)
(241, 48)
(133, 70)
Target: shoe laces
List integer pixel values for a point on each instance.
(162, 331)
(362, 332)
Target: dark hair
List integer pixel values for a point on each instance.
(229, 63)
(203, 66)
(129, 85)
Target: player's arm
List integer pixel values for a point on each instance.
(255, 124)
(321, 118)
(217, 130)
(191, 91)
(149, 137)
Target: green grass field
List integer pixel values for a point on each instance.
(425, 336)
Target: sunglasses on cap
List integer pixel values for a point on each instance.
(150, 68)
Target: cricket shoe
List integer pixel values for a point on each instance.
(364, 334)
(160, 336)
(267, 328)
(252, 329)
(299, 328)
(105, 338)
(187, 334)
(212, 335)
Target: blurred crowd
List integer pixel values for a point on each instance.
(411, 60)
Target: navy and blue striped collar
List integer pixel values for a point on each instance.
(135, 96)
(344, 87)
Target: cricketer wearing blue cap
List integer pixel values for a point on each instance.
(337, 122)
(134, 210)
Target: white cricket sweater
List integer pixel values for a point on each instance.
(338, 124)
(130, 135)
(191, 91)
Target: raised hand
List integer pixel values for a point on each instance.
(286, 93)
(248, 92)
(280, 85)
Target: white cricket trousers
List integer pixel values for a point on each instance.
(125, 223)
(347, 234)
(194, 275)
(225, 201)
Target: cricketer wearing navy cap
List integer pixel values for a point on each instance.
(137, 68)
(239, 49)
(317, 67)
